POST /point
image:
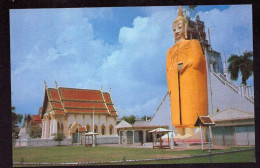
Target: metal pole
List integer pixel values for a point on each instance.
(179, 91)
(93, 140)
(172, 140)
(201, 138)
(209, 140)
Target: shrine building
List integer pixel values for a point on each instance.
(70, 111)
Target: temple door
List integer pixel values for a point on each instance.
(75, 137)
(129, 137)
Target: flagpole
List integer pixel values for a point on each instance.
(93, 140)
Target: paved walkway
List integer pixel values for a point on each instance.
(178, 147)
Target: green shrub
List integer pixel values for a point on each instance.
(58, 138)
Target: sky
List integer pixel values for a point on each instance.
(122, 48)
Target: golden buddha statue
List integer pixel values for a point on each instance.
(186, 78)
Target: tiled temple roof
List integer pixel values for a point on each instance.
(36, 119)
(71, 100)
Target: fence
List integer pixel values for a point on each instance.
(211, 157)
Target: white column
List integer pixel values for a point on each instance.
(242, 90)
(54, 126)
(144, 136)
(249, 91)
(211, 67)
(51, 128)
(43, 129)
(133, 136)
(48, 128)
(120, 137)
(201, 138)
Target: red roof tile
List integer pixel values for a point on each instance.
(111, 108)
(53, 94)
(85, 111)
(36, 117)
(107, 98)
(82, 129)
(80, 101)
(57, 105)
(84, 104)
(80, 94)
(59, 111)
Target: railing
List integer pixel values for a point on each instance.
(235, 88)
(210, 157)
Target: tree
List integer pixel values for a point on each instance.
(16, 119)
(35, 132)
(145, 117)
(58, 138)
(130, 119)
(241, 63)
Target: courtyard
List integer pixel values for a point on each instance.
(76, 154)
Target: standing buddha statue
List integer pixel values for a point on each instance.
(186, 79)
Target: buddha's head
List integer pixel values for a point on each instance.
(179, 27)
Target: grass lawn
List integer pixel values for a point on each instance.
(65, 154)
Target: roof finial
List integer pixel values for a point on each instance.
(101, 87)
(109, 91)
(180, 11)
(45, 84)
(56, 85)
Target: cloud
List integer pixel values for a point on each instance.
(63, 46)
(231, 26)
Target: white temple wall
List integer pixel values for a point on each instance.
(87, 120)
(111, 120)
(223, 96)
(70, 119)
(79, 119)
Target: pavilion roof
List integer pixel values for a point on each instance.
(231, 114)
(160, 130)
(36, 119)
(123, 124)
(72, 100)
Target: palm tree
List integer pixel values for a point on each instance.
(243, 64)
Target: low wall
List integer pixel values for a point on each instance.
(41, 142)
(67, 141)
(102, 139)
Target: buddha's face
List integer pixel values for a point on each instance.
(178, 30)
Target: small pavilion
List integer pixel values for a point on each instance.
(88, 142)
(138, 133)
(157, 140)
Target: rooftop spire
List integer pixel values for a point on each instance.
(209, 37)
(56, 85)
(225, 69)
(45, 84)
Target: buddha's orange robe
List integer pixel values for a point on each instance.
(193, 82)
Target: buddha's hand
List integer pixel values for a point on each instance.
(180, 65)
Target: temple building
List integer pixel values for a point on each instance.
(70, 111)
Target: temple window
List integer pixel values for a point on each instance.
(110, 129)
(103, 129)
(88, 128)
(61, 128)
(96, 129)
(58, 128)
